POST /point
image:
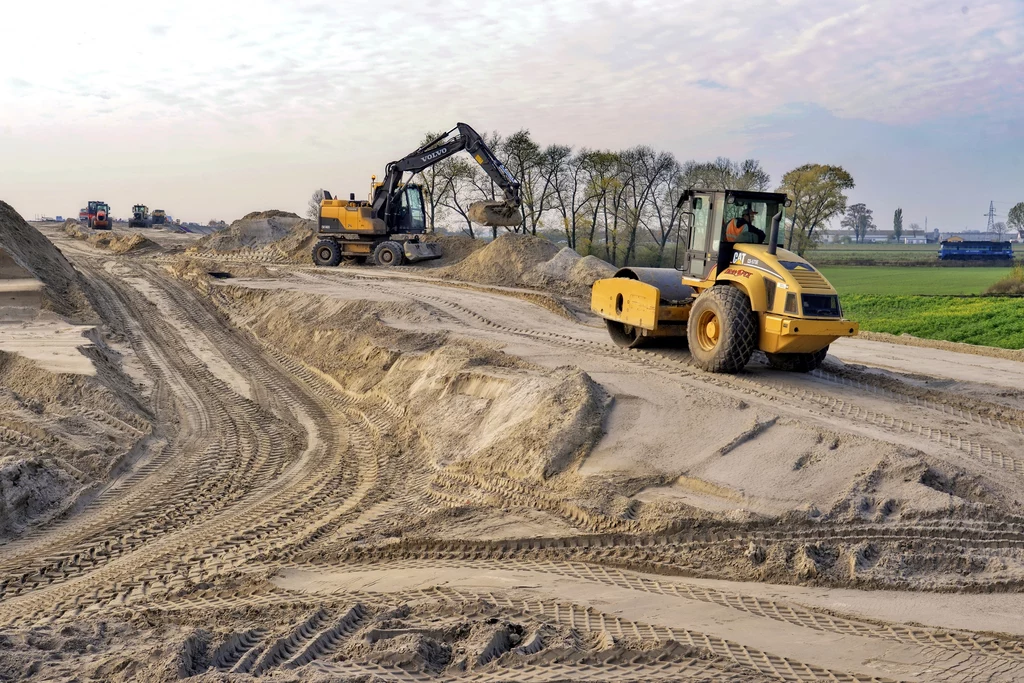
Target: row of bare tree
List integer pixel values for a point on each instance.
(620, 206)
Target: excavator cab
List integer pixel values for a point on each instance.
(407, 215)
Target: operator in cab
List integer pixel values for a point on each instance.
(742, 229)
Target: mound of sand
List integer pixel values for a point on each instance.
(503, 261)
(29, 249)
(454, 248)
(515, 260)
(568, 272)
(272, 213)
(470, 406)
(260, 229)
(28, 488)
(63, 432)
(122, 244)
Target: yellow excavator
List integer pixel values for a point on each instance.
(386, 229)
(732, 291)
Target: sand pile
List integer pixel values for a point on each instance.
(122, 244)
(26, 246)
(119, 243)
(62, 435)
(515, 260)
(503, 261)
(471, 406)
(454, 248)
(254, 230)
(568, 272)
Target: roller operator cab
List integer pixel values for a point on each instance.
(732, 291)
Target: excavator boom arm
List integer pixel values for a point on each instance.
(438, 150)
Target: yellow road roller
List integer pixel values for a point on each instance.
(732, 290)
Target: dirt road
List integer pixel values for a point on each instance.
(498, 493)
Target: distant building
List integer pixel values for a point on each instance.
(880, 237)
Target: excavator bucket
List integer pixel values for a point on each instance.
(494, 213)
(422, 251)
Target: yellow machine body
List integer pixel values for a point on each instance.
(777, 297)
(797, 309)
(352, 216)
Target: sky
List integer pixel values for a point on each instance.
(211, 109)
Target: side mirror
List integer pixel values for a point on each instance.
(789, 202)
(698, 203)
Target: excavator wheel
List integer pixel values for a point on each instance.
(797, 362)
(388, 254)
(722, 329)
(327, 253)
(626, 336)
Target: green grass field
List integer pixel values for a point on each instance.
(894, 280)
(989, 321)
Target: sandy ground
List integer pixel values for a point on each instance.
(358, 474)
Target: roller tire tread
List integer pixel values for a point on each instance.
(739, 334)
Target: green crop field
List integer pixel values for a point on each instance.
(897, 281)
(989, 321)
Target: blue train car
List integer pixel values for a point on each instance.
(961, 250)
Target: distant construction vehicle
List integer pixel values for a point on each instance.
(386, 228)
(728, 298)
(98, 215)
(140, 217)
(159, 217)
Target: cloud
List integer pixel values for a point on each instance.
(689, 76)
(710, 84)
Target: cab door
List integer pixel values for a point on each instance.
(702, 242)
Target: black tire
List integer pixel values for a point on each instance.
(327, 253)
(797, 362)
(388, 254)
(722, 330)
(626, 336)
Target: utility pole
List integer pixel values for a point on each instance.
(991, 217)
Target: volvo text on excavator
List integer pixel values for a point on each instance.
(386, 229)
